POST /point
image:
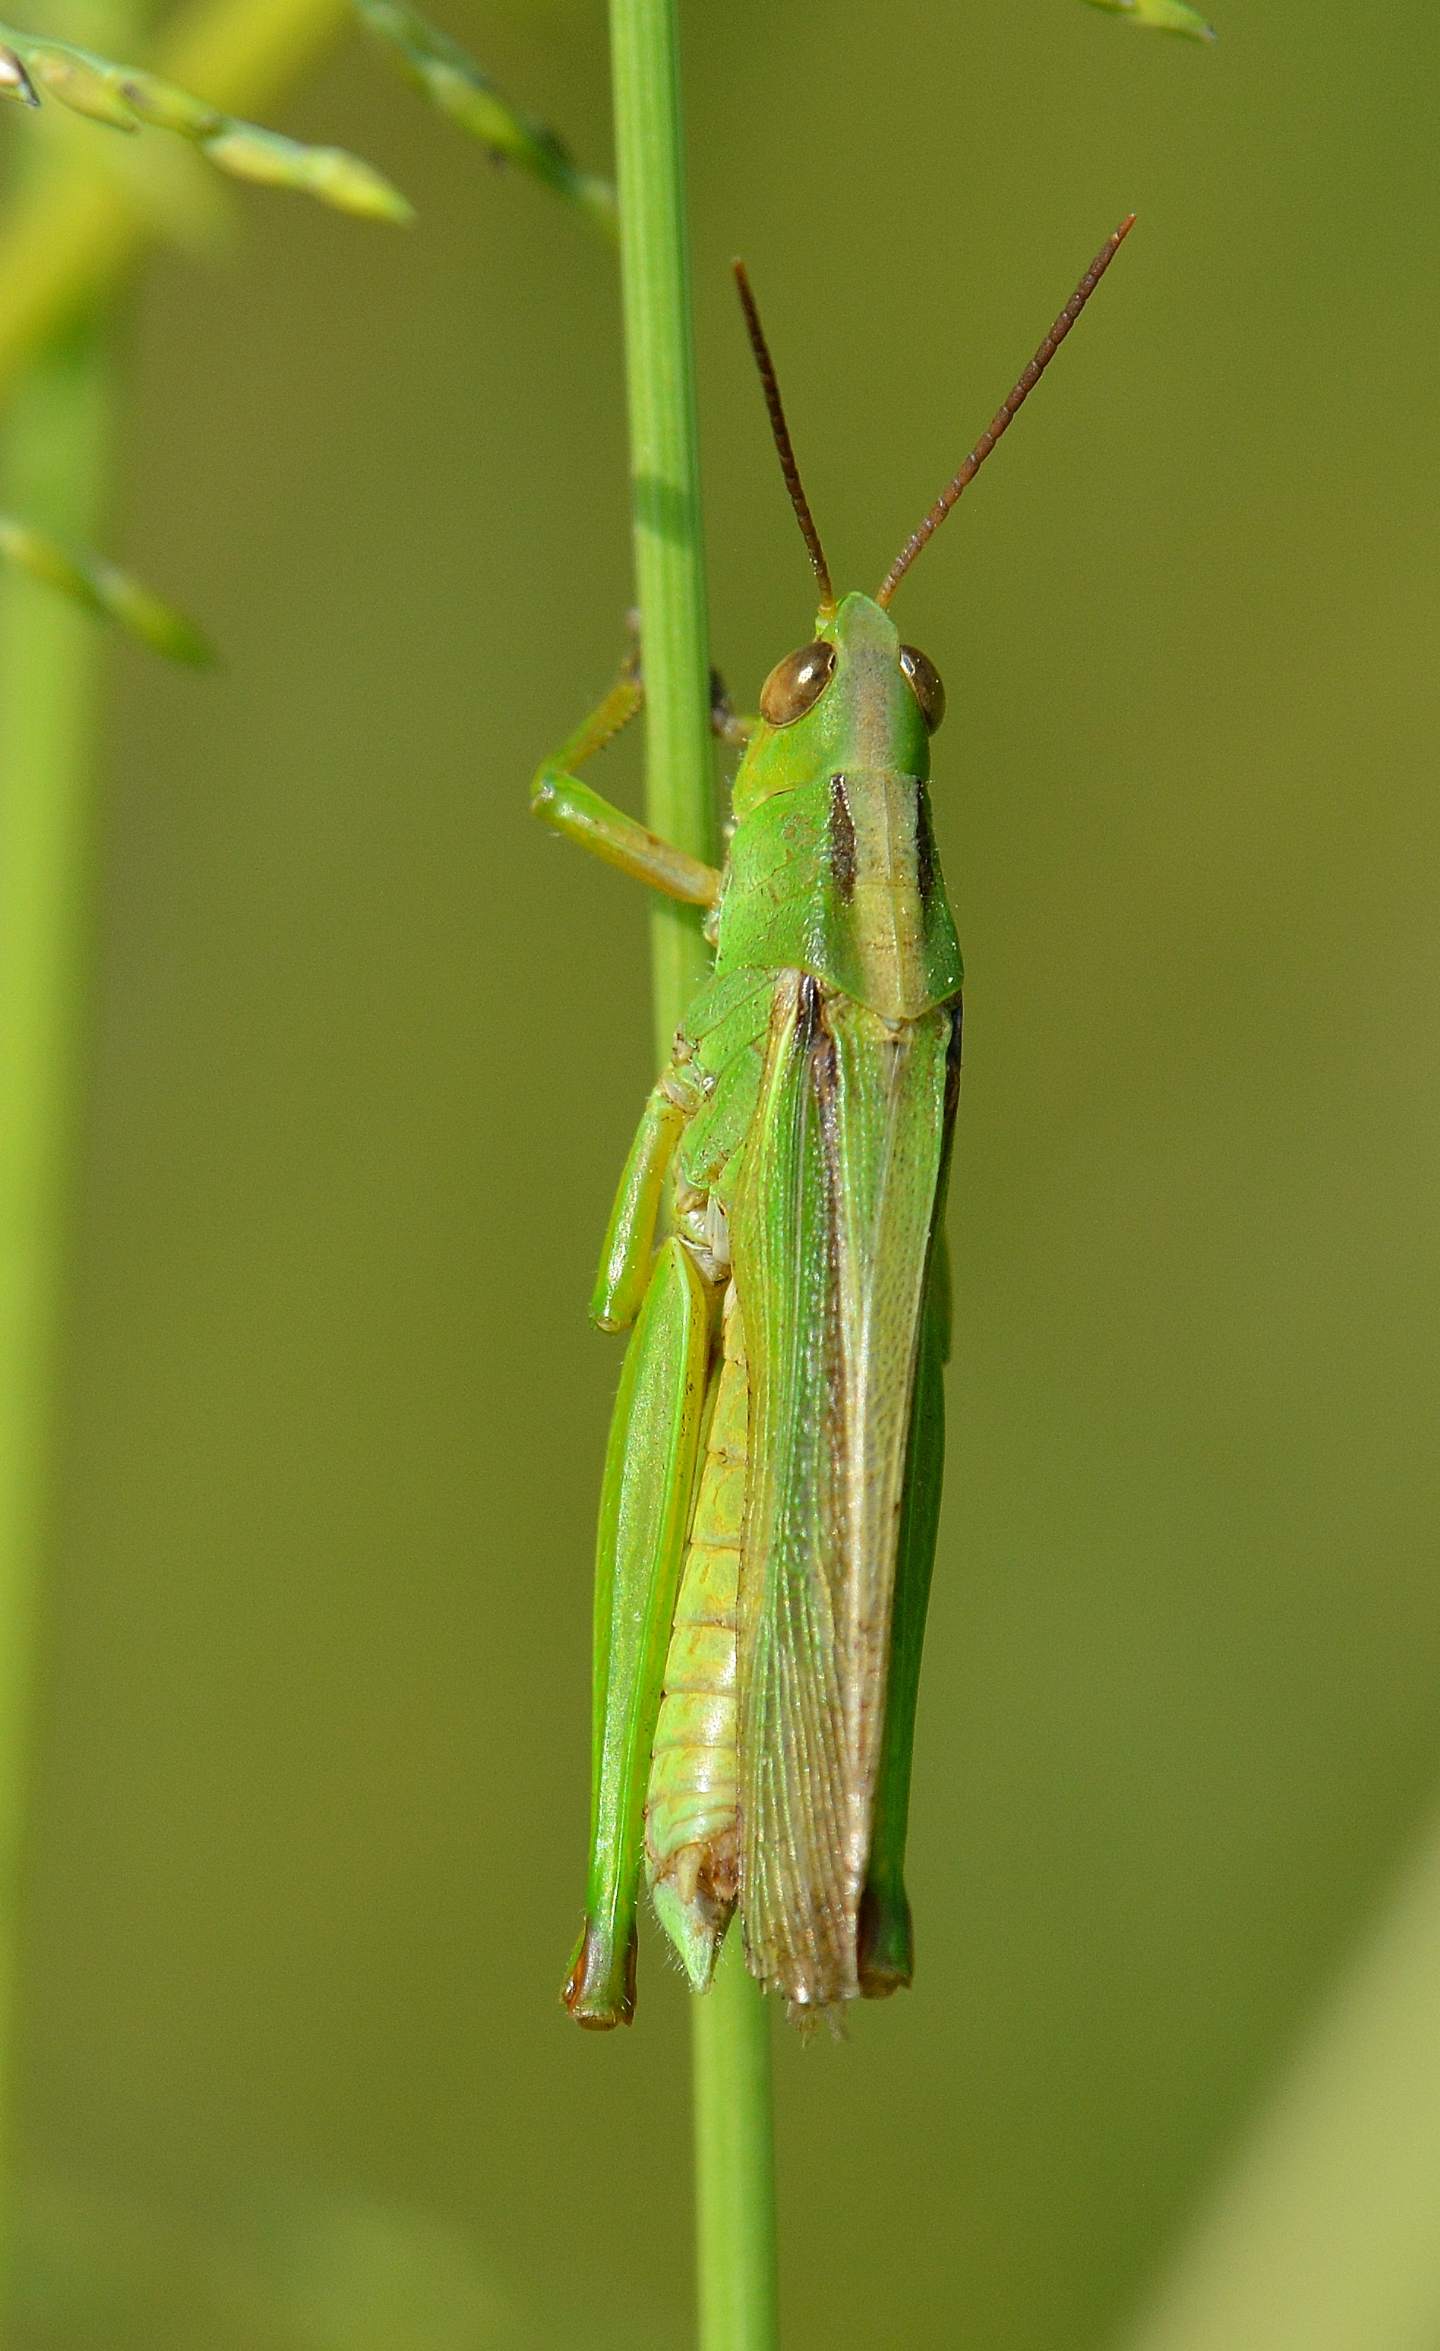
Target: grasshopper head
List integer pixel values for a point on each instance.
(853, 698)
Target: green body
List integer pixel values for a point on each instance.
(768, 1521)
(772, 1486)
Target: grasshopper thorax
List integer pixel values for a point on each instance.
(853, 700)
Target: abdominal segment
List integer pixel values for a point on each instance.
(691, 1833)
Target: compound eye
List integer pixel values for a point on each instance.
(925, 685)
(796, 684)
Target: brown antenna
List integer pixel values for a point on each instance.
(784, 446)
(1006, 414)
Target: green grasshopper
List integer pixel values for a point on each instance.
(772, 1480)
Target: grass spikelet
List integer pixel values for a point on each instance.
(449, 77)
(127, 98)
(107, 592)
(336, 177)
(1162, 16)
(14, 80)
(165, 108)
(67, 74)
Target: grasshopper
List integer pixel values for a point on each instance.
(777, 1251)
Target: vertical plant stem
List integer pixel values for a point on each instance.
(52, 466)
(54, 460)
(733, 2113)
(734, 2161)
(664, 473)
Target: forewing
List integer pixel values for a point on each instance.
(832, 1237)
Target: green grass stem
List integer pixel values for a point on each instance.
(53, 462)
(664, 473)
(734, 2161)
(733, 2109)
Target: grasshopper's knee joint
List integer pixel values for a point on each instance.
(885, 1953)
(599, 1991)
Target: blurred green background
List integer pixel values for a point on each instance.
(369, 1050)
